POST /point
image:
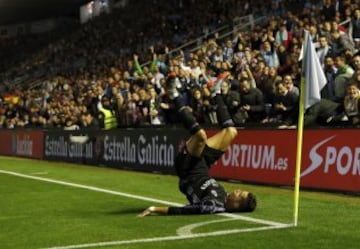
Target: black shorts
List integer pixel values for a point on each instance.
(211, 155)
(187, 165)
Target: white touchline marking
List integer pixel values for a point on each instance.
(40, 173)
(170, 238)
(75, 185)
(250, 219)
(271, 224)
(186, 230)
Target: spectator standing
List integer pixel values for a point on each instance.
(251, 109)
(255, 39)
(231, 97)
(285, 106)
(107, 115)
(198, 107)
(323, 50)
(352, 104)
(328, 92)
(356, 62)
(356, 78)
(116, 101)
(355, 28)
(342, 78)
(268, 82)
(155, 110)
(283, 36)
(325, 30)
(143, 105)
(328, 10)
(341, 43)
(288, 81)
(132, 113)
(269, 54)
(313, 32)
(228, 51)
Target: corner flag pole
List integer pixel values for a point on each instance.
(299, 149)
(312, 81)
(300, 130)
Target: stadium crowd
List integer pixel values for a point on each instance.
(95, 76)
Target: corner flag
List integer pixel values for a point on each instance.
(312, 81)
(313, 73)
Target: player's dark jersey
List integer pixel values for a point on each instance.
(204, 193)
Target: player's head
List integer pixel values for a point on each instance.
(240, 201)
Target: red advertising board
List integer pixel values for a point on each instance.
(330, 158)
(5, 142)
(23, 143)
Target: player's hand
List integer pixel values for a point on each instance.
(146, 212)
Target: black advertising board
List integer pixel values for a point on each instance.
(144, 149)
(148, 149)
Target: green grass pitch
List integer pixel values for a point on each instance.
(60, 205)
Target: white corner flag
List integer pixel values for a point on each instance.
(312, 81)
(315, 79)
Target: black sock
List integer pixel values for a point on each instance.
(222, 112)
(186, 116)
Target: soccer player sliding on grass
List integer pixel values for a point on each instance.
(205, 194)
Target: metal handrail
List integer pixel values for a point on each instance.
(251, 22)
(193, 42)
